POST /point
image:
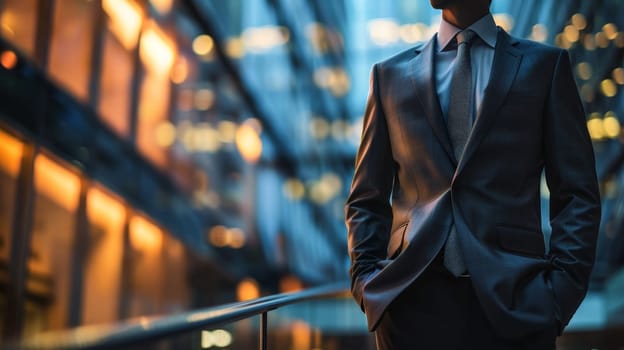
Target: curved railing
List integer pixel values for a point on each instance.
(149, 329)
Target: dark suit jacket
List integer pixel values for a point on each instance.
(408, 188)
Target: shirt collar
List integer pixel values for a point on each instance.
(485, 28)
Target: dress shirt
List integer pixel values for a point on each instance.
(481, 58)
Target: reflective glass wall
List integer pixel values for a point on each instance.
(165, 155)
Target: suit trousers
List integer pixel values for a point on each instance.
(440, 311)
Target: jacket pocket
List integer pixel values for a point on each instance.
(521, 241)
(395, 246)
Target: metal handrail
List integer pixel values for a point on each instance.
(144, 329)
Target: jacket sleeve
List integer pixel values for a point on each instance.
(368, 211)
(574, 196)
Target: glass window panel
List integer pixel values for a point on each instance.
(186, 73)
(176, 292)
(146, 268)
(125, 18)
(153, 112)
(103, 261)
(158, 53)
(19, 23)
(115, 85)
(10, 157)
(71, 45)
(11, 150)
(49, 266)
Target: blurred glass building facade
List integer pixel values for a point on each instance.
(164, 155)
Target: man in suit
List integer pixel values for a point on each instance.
(444, 218)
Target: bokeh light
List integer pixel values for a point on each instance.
(8, 59)
(248, 289)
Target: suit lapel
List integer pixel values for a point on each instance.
(504, 69)
(422, 72)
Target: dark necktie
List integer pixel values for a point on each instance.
(459, 117)
(459, 124)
